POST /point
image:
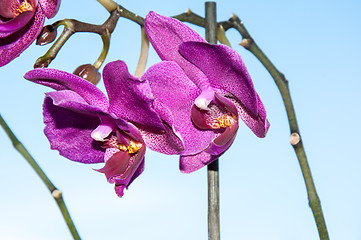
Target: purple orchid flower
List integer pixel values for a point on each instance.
(206, 87)
(20, 23)
(86, 127)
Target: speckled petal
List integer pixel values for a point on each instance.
(165, 35)
(50, 7)
(60, 80)
(176, 91)
(129, 97)
(12, 45)
(259, 124)
(69, 131)
(191, 163)
(225, 70)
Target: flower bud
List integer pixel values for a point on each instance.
(47, 35)
(42, 63)
(88, 72)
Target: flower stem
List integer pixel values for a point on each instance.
(109, 5)
(53, 190)
(212, 168)
(282, 84)
(144, 51)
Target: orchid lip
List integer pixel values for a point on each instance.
(205, 98)
(103, 130)
(204, 119)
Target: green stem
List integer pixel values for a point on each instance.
(212, 168)
(106, 42)
(282, 84)
(109, 5)
(53, 190)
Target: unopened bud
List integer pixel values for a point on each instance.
(88, 72)
(47, 35)
(41, 63)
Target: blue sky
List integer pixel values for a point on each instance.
(263, 196)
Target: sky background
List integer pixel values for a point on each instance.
(316, 44)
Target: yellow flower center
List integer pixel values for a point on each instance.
(24, 7)
(223, 122)
(133, 147)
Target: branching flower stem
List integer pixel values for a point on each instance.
(282, 84)
(57, 195)
(72, 26)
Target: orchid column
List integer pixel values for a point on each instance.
(212, 168)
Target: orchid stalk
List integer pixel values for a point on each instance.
(212, 168)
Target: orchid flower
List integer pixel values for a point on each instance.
(206, 87)
(87, 127)
(20, 23)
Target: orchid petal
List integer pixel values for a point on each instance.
(191, 163)
(50, 7)
(16, 23)
(115, 165)
(134, 163)
(69, 133)
(165, 35)
(176, 91)
(12, 45)
(225, 70)
(103, 130)
(259, 124)
(198, 119)
(134, 169)
(129, 97)
(221, 143)
(60, 80)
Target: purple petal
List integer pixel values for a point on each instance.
(167, 143)
(115, 165)
(165, 35)
(60, 80)
(119, 189)
(198, 118)
(191, 163)
(12, 45)
(50, 7)
(16, 23)
(174, 90)
(129, 97)
(259, 124)
(221, 143)
(225, 70)
(69, 132)
(134, 169)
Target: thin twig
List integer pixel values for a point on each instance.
(57, 195)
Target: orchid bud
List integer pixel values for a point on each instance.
(47, 35)
(88, 72)
(42, 63)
